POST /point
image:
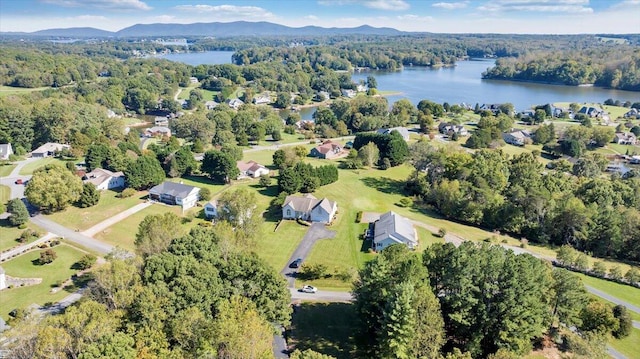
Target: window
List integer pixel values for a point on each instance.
(288, 212)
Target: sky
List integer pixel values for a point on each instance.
(439, 16)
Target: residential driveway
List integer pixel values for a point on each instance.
(18, 250)
(72, 236)
(316, 231)
(369, 217)
(90, 232)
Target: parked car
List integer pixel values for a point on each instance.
(296, 263)
(19, 181)
(309, 289)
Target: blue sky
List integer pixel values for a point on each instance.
(442, 16)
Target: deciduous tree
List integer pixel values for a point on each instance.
(53, 188)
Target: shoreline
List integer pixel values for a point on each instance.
(559, 84)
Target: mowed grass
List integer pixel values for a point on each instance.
(5, 194)
(623, 292)
(9, 234)
(25, 266)
(32, 166)
(327, 328)
(200, 182)
(5, 170)
(109, 205)
(9, 90)
(629, 346)
(123, 233)
(276, 247)
(613, 111)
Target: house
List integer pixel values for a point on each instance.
(402, 130)
(348, 145)
(210, 105)
(309, 208)
(326, 150)
(447, 128)
(104, 179)
(183, 103)
(635, 160)
(3, 279)
(263, 99)
(516, 137)
(235, 103)
(626, 138)
(391, 228)
(348, 93)
(305, 124)
(48, 149)
(193, 80)
(176, 194)
(322, 96)
(633, 113)
(494, 108)
(251, 169)
(5, 151)
(617, 167)
(211, 209)
(157, 131)
(161, 121)
(591, 111)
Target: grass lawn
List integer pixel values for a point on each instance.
(276, 247)
(84, 218)
(32, 166)
(623, 292)
(327, 328)
(40, 294)
(623, 149)
(614, 111)
(9, 90)
(201, 182)
(5, 170)
(629, 346)
(123, 233)
(9, 234)
(5, 193)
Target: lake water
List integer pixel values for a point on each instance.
(455, 85)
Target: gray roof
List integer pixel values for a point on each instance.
(172, 189)
(50, 147)
(387, 131)
(308, 202)
(392, 225)
(99, 175)
(4, 149)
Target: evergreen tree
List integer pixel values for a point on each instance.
(89, 197)
(19, 214)
(144, 173)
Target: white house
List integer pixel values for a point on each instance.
(626, 138)
(402, 130)
(48, 149)
(251, 169)
(235, 103)
(210, 105)
(104, 179)
(392, 228)
(211, 209)
(263, 99)
(161, 121)
(309, 208)
(5, 151)
(3, 279)
(516, 137)
(176, 194)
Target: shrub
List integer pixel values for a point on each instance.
(359, 217)
(54, 243)
(205, 194)
(442, 232)
(405, 202)
(313, 271)
(265, 181)
(28, 235)
(87, 261)
(127, 192)
(524, 243)
(47, 256)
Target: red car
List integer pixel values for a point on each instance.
(19, 181)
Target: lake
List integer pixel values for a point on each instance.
(455, 85)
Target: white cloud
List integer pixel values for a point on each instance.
(626, 4)
(102, 4)
(228, 10)
(451, 5)
(550, 6)
(411, 17)
(311, 17)
(89, 18)
(392, 5)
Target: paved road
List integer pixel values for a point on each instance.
(614, 353)
(72, 236)
(321, 295)
(17, 190)
(115, 219)
(277, 146)
(315, 232)
(20, 249)
(612, 299)
(65, 302)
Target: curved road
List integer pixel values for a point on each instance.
(72, 236)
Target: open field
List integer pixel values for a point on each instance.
(9, 234)
(327, 328)
(109, 205)
(9, 90)
(26, 266)
(32, 166)
(123, 233)
(5, 170)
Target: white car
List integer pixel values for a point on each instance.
(309, 289)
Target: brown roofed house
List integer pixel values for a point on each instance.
(327, 150)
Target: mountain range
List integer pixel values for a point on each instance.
(217, 29)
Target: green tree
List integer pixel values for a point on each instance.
(144, 173)
(283, 100)
(309, 354)
(156, 232)
(219, 166)
(625, 322)
(47, 256)
(289, 181)
(369, 154)
(53, 188)
(239, 209)
(19, 214)
(597, 317)
(87, 261)
(89, 197)
(265, 181)
(569, 297)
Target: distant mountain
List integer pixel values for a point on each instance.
(219, 29)
(74, 32)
